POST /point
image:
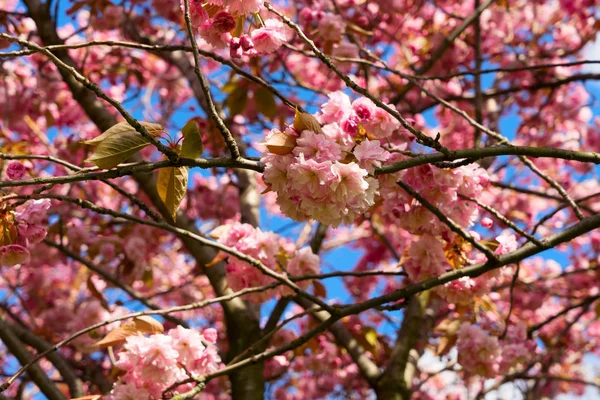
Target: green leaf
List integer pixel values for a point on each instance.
(117, 148)
(122, 128)
(172, 186)
(265, 102)
(306, 122)
(237, 100)
(191, 146)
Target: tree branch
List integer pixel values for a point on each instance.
(16, 347)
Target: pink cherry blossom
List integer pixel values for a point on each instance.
(242, 7)
(270, 37)
(317, 147)
(370, 154)
(427, 259)
(33, 211)
(210, 334)
(15, 170)
(336, 109)
(13, 254)
(304, 262)
(477, 351)
(331, 27)
(507, 243)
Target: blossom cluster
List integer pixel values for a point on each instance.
(21, 229)
(481, 353)
(157, 362)
(272, 251)
(216, 29)
(325, 173)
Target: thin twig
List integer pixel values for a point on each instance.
(225, 132)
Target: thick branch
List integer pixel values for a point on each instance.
(16, 348)
(61, 365)
(237, 315)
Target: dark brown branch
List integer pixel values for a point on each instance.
(61, 365)
(17, 348)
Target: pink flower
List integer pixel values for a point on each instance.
(305, 262)
(345, 50)
(188, 344)
(477, 351)
(150, 362)
(207, 363)
(214, 37)
(370, 154)
(235, 49)
(427, 259)
(246, 43)
(507, 243)
(364, 109)
(270, 37)
(15, 170)
(210, 334)
(197, 13)
(382, 124)
(336, 109)
(487, 223)
(243, 7)
(459, 291)
(317, 147)
(156, 350)
(33, 211)
(335, 132)
(222, 22)
(128, 391)
(351, 182)
(135, 248)
(312, 179)
(350, 125)
(331, 27)
(262, 246)
(13, 254)
(32, 233)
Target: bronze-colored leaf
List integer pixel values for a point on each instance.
(320, 289)
(142, 324)
(281, 143)
(117, 336)
(445, 345)
(146, 324)
(306, 122)
(217, 259)
(172, 186)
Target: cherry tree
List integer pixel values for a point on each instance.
(185, 185)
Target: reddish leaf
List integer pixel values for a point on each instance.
(320, 290)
